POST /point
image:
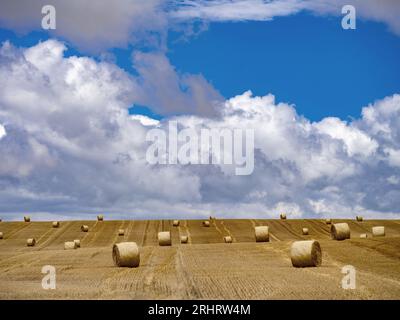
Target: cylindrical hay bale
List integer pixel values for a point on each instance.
(1, 235)
(31, 242)
(184, 239)
(84, 228)
(56, 224)
(305, 231)
(283, 216)
(164, 238)
(121, 232)
(228, 239)
(27, 218)
(306, 254)
(175, 223)
(70, 245)
(328, 221)
(100, 217)
(359, 218)
(78, 243)
(261, 233)
(206, 223)
(340, 231)
(126, 254)
(363, 235)
(378, 231)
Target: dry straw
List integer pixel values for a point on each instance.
(378, 231)
(100, 217)
(305, 231)
(340, 231)
(126, 254)
(283, 216)
(328, 221)
(261, 233)
(228, 239)
(363, 235)
(70, 245)
(359, 218)
(175, 223)
(31, 242)
(206, 223)
(121, 232)
(306, 254)
(27, 218)
(56, 224)
(184, 239)
(164, 238)
(1, 235)
(84, 228)
(78, 243)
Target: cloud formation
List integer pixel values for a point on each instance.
(72, 149)
(386, 11)
(97, 25)
(92, 25)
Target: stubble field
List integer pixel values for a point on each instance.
(205, 268)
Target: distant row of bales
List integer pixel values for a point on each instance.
(306, 253)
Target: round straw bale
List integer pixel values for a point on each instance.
(56, 224)
(175, 223)
(121, 232)
(126, 254)
(84, 228)
(359, 218)
(328, 221)
(363, 235)
(31, 242)
(70, 245)
(261, 233)
(1, 235)
(305, 231)
(1, 220)
(206, 223)
(306, 254)
(184, 239)
(100, 217)
(283, 216)
(228, 239)
(78, 243)
(340, 231)
(378, 231)
(164, 238)
(27, 218)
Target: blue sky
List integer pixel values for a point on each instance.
(305, 60)
(69, 148)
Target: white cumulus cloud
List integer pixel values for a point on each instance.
(72, 146)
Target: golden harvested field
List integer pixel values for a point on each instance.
(205, 268)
